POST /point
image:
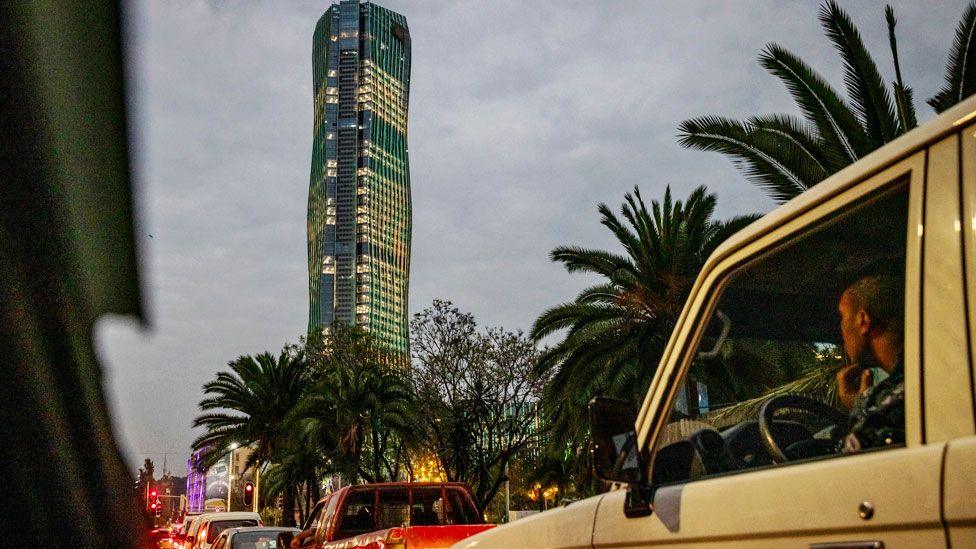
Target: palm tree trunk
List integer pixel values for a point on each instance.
(288, 506)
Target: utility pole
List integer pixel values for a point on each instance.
(230, 474)
(257, 487)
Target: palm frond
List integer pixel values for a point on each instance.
(960, 76)
(837, 125)
(903, 95)
(818, 384)
(865, 87)
(753, 157)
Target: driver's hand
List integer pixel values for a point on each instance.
(852, 381)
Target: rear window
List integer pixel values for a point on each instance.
(394, 507)
(460, 509)
(218, 526)
(256, 540)
(359, 516)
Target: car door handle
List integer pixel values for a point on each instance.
(873, 544)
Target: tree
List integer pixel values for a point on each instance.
(360, 407)
(299, 464)
(146, 477)
(785, 155)
(259, 391)
(615, 331)
(477, 394)
(249, 405)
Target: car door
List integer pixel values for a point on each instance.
(959, 501)
(772, 288)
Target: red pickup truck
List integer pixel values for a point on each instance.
(392, 515)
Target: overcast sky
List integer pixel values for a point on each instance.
(524, 115)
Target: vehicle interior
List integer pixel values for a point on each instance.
(761, 389)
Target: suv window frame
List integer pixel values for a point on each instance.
(676, 363)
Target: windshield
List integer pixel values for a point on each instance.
(786, 324)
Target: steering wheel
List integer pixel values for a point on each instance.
(796, 402)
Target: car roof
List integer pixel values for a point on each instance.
(233, 515)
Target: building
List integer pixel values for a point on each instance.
(221, 483)
(359, 214)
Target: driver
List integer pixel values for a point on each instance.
(872, 383)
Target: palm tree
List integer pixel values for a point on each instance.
(616, 330)
(359, 409)
(300, 463)
(786, 155)
(248, 404)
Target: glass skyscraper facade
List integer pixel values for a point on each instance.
(359, 214)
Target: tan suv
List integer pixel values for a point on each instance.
(743, 438)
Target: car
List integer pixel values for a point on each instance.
(754, 432)
(180, 529)
(209, 525)
(159, 538)
(392, 514)
(190, 526)
(252, 537)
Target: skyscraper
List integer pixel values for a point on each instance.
(359, 215)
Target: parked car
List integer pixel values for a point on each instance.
(743, 438)
(209, 525)
(396, 514)
(252, 537)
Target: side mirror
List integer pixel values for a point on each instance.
(189, 539)
(616, 457)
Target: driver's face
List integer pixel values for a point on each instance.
(853, 329)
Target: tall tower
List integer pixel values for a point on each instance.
(359, 215)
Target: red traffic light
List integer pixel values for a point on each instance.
(153, 493)
(154, 505)
(248, 495)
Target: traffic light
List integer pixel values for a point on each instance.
(156, 508)
(248, 493)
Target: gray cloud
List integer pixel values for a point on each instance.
(523, 116)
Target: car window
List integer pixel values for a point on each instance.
(783, 326)
(330, 509)
(256, 540)
(427, 507)
(394, 507)
(216, 527)
(359, 515)
(461, 509)
(313, 517)
(221, 541)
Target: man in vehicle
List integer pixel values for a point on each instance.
(872, 328)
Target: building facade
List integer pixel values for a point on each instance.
(359, 213)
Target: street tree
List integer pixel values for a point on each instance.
(613, 333)
(359, 411)
(248, 405)
(146, 477)
(477, 395)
